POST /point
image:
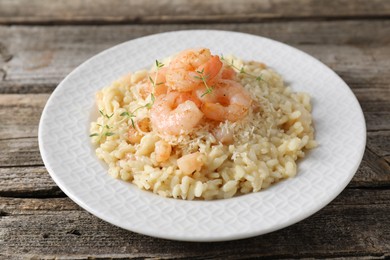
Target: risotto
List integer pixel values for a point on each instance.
(201, 126)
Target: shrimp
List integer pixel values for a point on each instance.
(232, 104)
(224, 135)
(186, 69)
(199, 94)
(169, 116)
(190, 163)
(162, 151)
(133, 135)
(184, 96)
(228, 73)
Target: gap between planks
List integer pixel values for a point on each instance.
(181, 20)
(354, 224)
(147, 11)
(35, 59)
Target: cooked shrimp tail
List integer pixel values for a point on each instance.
(232, 102)
(188, 67)
(170, 115)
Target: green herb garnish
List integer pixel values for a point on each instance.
(105, 115)
(242, 70)
(149, 105)
(104, 130)
(203, 78)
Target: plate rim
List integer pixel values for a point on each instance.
(86, 207)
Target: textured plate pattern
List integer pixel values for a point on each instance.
(322, 175)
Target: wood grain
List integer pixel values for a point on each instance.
(20, 115)
(51, 38)
(149, 11)
(27, 182)
(36, 59)
(355, 224)
(20, 152)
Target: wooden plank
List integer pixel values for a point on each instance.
(355, 224)
(377, 114)
(36, 59)
(373, 172)
(23, 182)
(20, 152)
(149, 11)
(375, 104)
(359, 66)
(20, 115)
(379, 142)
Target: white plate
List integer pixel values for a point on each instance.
(70, 159)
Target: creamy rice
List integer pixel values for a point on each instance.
(267, 142)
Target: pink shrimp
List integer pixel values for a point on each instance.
(228, 73)
(162, 151)
(232, 102)
(188, 67)
(184, 96)
(224, 135)
(190, 163)
(174, 112)
(133, 135)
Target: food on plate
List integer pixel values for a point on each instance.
(202, 126)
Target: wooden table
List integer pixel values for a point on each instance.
(41, 41)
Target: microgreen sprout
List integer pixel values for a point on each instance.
(149, 105)
(159, 65)
(105, 115)
(132, 114)
(129, 115)
(203, 78)
(242, 69)
(105, 130)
